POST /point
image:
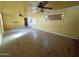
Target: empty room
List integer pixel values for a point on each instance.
(39, 28)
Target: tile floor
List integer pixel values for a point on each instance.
(31, 42)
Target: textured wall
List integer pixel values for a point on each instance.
(69, 26)
(10, 11)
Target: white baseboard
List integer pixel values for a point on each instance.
(59, 34)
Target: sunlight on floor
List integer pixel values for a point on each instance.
(16, 35)
(34, 34)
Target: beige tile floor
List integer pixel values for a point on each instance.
(32, 42)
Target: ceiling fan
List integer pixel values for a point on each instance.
(41, 5)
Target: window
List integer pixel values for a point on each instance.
(57, 16)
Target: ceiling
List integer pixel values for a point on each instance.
(53, 4)
(62, 4)
(59, 4)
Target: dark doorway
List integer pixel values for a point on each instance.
(25, 22)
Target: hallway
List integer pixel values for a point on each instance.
(33, 42)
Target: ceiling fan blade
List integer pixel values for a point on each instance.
(46, 7)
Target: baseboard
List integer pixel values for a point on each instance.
(72, 37)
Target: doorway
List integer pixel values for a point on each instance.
(30, 21)
(25, 22)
